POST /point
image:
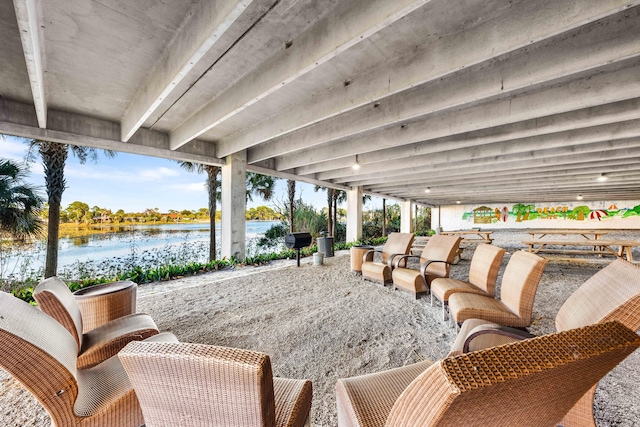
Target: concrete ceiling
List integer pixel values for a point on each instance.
(477, 100)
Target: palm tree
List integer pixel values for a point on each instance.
(213, 185)
(20, 203)
(261, 185)
(291, 187)
(257, 184)
(54, 156)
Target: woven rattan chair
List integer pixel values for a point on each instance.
(41, 354)
(203, 385)
(101, 343)
(613, 293)
(517, 293)
(483, 273)
(526, 383)
(380, 271)
(435, 261)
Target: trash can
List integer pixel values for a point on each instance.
(325, 246)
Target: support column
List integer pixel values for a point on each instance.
(406, 217)
(354, 214)
(234, 204)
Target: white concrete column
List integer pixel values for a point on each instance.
(406, 217)
(234, 204)
(435, 219)
(354, 214)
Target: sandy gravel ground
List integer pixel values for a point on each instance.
(325, 322)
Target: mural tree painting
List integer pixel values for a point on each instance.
(522, 211)
(581, 212)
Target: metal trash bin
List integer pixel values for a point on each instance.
(325, 245)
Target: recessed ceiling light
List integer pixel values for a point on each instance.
(603, 177)
(458, 201)
(427, 190)
(579, 197)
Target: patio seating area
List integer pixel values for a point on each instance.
(325, 322)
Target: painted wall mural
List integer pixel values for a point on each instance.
(613, 214)
(528, 212)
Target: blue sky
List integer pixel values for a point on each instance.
(135, 183)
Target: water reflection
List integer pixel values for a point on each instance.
(124, 242)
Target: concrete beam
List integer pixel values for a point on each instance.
(521, 161)
(328, 38)
(439, 183)
(556, 62)
(354, 214)
(18, 119)
(29, 16)
(528, 23)
(458, 149)
(520, 131)
(234, 205)
(205, 25)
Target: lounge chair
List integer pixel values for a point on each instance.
(613, 293)
(517, 293)
(212, 386)
(380, 271)
(526, 383)
(41, 354)
(99, 344)
(483, 274)
(435, 261)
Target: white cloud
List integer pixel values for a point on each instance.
(194, 186)
(12, 148)
(157, 173)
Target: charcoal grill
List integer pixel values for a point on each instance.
(297, 241)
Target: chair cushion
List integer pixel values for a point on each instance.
(409, 280)
(463, 306)
(55, 298)
(293, 401)
(376, 271)
(613, 293)
(107, 340)
(107, 383)
(442, 288)
(367, 400)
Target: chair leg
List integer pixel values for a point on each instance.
(431, 299)
(444, 311)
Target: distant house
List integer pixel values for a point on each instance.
(483, 215)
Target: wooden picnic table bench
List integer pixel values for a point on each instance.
(552, 233)
(589, 247)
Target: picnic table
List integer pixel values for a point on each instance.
(590, 247)
(587, 234)
(471, 236)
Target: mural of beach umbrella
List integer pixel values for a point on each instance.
(597, 214)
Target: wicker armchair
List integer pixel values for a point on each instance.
(517, 293)
(380, 271)
(101, 343)
(613, 293)
(41, 354)
(202, 385)
(525, 383)
(435, 261)
(483, 273)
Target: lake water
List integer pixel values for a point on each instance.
(150, 244)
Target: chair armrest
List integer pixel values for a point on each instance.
(495, 329)
(423, 267)
(368, 256)
(399, 258)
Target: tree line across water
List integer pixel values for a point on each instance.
(80, 213)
